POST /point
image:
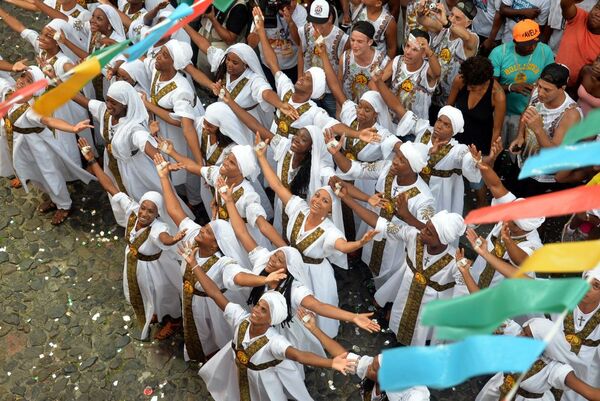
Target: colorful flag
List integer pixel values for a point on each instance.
(80, 75)
(445, 366)
(22, 94)
(199, 8)
(571, 157)
(586, 128)
(485, 310)
(568, 257)
(575, 200)
(222, 5)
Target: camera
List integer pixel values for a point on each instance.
(431, 5)
(270, 9)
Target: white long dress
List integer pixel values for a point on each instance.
(316, 246)
(544, 375)
(247, 202)
(384, 257)
(276, 383)
(205, 327)
(71, 112)
(6, 136)
(434, 277)
(150, 286)
(40, 158)
(125, 160)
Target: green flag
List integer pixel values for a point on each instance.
(188, 2)
(588, 127)
(483, 311)
(222, 5)
(106, 54)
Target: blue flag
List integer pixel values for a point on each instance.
(571, 157)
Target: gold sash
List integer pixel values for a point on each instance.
(9, 122)
(243, 357)
(387, 213)
(421, 280)
(285, 172)
(307, 241)
(485, 279)
(156, 96)
(354, 145)
(238, 88)
(133, 255)
(223, 214)
(578, 339)
(434, 159)
(212, 160)
(113, 166)
(284, 122)
(510, 380)
(190, 334)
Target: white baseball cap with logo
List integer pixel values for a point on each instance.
(319, 12)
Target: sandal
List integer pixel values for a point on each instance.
(15, 183)
(46, 207)
(60, 216)
(169, 329)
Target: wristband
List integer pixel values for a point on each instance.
(510, 87)
(93, 161)
(448, 24)
(259, 146)
(334, 143)
(462, 262)
(86, 149)
(223, 189)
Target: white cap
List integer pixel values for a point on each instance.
(319, 12)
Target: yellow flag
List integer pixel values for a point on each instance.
(568, 257)
(595, 180)
(81, 75)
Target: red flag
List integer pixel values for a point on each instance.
(575, 200)
(199, 8)
(20, 94)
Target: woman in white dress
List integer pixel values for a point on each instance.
(55, 64)
(173, 100)
(7, 137)
(283, 270)
(258, 365)
(319, 239)
(129, 147)
(38, 155)
(151, 269)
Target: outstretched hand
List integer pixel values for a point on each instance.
(333, 145)
(260, 146)
(368, 237)
(86, 149)
(364, 321)
(369, 135)
(343, 365)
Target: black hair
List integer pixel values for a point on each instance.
(299, 185)
(556, 74)
(364, 27)
(419, 33)
(222, 69)
(284, 287)
(476, 70)
(223, 140)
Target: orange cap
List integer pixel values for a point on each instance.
(526, 30)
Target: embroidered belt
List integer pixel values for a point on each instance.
(312, 261)
(424, 281)
(148, 258)
(33, 130)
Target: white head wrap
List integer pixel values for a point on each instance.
(449, 226)
(293, 261)
(180, 52)
(36, 75)
(511, 328)
(59, 25)
(246, 161)
(221, 115)
(383, 113)
(529, 224)
(594, 273)
(337, 218)
(321, 162)
(417, 393)
(363, 365)
(455, 116)
(319, 82)
(277, 306)
(137, 71)
(115, 21)
(228, 242)
(5, 87)
(416, 154)
(137, 116)
(246, 54)
(155, 198)
(5, 75)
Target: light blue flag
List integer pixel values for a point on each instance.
(445, 366)
(140, 48)
(551, 160)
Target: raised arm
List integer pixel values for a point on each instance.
(267, 50)
(209, 286)
(479, 244)
(332, 79)
(362, 320)
(247, 119)
(159, 111)
(282, 192)
(392, 101)
(172, 205)
(12, 22)
(569, 9)
(49, 11)
(339, 363)
(464, 267)
(490, 178)
(331, 346)
(94, 168)
(200, 41)
(200, 77)
(26, 5)
(167, 148)
(237, 223)
(191, 138)
(64, 126)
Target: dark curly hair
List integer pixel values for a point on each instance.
(476, 70)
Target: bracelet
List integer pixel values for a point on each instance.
(509, 87)
(195, 267)
(93, 161)
(448, 24)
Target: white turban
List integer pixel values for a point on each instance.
(455, 116)
(529, 224)
(449, 226)
(59, 25)
(246, 54)
(338, 258)
(594, 273)
(155, 198)
(246, 161)
(137, 71)
(221, 115)
(180, 52)
(277, 306)
(115, 21)
(36, 75)
(383, 113)
(416, 154)
(319, 82)
(363, 365)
